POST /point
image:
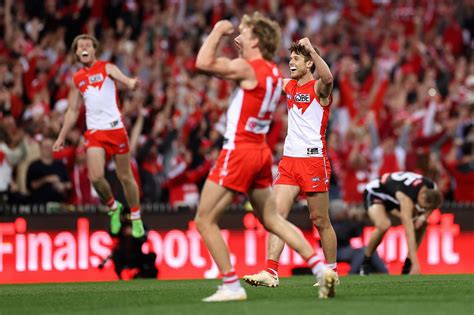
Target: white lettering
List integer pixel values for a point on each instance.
(83, 241)
(100, 246)
(35, 241)
(65, 255)
(178, 259)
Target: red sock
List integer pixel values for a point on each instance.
(110, 203)
(135, 212)
(272, 267)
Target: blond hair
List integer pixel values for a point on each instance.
(267, 31)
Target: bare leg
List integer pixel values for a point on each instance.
(285, 196)
(125, 176)
(318, 204)
(263, 201)
(214, 200)
(382, 223)
(95, 166)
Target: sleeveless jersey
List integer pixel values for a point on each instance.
(406, 182)
(307, 121)
(99, 92)
(250, 111)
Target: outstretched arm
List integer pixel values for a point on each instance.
(225, 68)
(116, 74)
(70, 117)
(406, 216)
(323, 86)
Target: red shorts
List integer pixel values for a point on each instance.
(114, 141)
(310, 174)
(243, 169)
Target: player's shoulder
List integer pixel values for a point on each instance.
(289, 85)
(264, 67)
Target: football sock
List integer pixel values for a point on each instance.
(272, 267)
(231, 280)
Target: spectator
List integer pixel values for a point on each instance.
(47, 178)
(402, 68)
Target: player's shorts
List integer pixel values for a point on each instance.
(114, 141)
(371, 198)
(243, 169)
(311, 174)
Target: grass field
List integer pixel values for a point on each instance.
(449, 294)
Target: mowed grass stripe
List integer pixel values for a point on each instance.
(446, 294)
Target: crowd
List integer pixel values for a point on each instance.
(403, 94)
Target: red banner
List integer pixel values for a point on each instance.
(75, 255)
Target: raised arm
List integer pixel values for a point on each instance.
(113, 71)
(231, 69)
(70, 117)
(406, 217)
(323, 86)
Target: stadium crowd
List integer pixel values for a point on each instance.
(403, 96)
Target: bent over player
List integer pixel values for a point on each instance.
(409, 196)
(305, 165)
(106, 135)
(244, 164)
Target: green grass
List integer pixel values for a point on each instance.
(448, 294)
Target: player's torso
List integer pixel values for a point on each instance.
(250, 111)
(406, 182)
(100, 96)
(307, 121)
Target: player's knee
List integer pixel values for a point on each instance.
(96, 178)
(202, 222)
(126, 178)
(320, 222)
(269, 222)
(383, 225)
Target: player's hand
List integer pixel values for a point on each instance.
(134, 84)
(225, 27)
(58, 145)
(306, 44)
(415, 268)
(420, 221)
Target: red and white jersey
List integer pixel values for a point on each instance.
(250, 111)
(99, 92)
(307, 121)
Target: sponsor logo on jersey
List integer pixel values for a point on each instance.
(96, 78)
(315, 179)
(302, 98)
(312, 151)
(82, 83)
(289, 96)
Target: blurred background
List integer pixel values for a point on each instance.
(403, 100)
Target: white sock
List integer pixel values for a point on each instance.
(231, 281)
(135, 215)
(316, 265)
(332, 266)
(114, 206)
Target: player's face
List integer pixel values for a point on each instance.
(85, 51)
(422, 205)
(245, 40)
(298, 66)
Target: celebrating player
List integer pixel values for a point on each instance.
(305, 164)
(106, 135)
(407, 195)
(244, 164)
